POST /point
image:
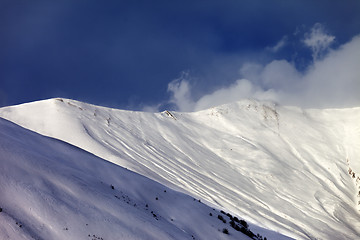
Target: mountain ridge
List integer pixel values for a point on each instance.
(210, 153)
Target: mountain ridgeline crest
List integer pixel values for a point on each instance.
(292, 170)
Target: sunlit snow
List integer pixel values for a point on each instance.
(287, 169)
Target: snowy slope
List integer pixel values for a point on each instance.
(283, 168)
(53, 190)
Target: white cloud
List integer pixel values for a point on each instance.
(278, 73)
(151, 108)
(318, 40)
(180, 91)
(333, 81)
(241, 89)
(278, 45)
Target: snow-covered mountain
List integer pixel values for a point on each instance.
(53, 190)
(287, 169)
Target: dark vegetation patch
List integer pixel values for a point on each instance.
(94, 237)
(221, 218)
(239, 225)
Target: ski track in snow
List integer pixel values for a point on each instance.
(282, 168)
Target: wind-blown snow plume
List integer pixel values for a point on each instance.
(331, 80)
(241, 89)
(180, 90)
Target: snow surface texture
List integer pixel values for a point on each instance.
(53, 190)
(283, 168)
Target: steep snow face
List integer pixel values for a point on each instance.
(52, 190)
(292, 170)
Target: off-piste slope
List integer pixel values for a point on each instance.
(283, 168)
(53, 190)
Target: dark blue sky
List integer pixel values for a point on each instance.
(124, 53)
